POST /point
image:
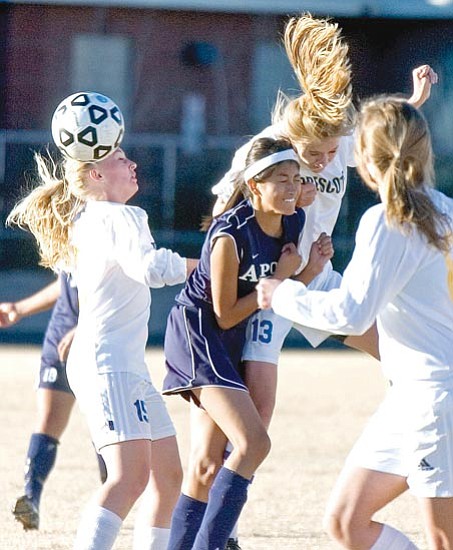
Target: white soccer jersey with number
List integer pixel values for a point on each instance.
(398, 279)
(116, 263)
(330, 183)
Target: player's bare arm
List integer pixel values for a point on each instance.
(191, 264)
(12, 312)
(228, 308)
(423, 78)
(265, 289)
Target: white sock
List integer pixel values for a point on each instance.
(151, 538)
(391, 539)
(234, 531)
(98, 529)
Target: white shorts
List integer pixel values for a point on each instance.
(266, 331)
(326, 280)
(265, 335)
(411, 435)
(123, 406)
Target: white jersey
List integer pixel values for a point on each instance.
(330, 183)
(116, 263)
(398, 279)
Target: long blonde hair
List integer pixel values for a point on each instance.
(319, 58)
(394, 144)
(50, 208)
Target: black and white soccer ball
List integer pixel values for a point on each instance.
(87, 126)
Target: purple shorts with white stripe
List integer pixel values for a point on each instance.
(198, 353)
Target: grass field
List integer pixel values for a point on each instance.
(324, 399)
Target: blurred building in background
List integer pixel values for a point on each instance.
(195, 79)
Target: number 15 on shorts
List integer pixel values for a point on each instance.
(142, 413)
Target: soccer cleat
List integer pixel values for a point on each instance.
(232, 544)
(26, 513)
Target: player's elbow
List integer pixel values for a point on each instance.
(225, 324)
(225, 320)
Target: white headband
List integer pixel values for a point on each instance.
(260, 165)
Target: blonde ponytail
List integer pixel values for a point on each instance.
(50, 208)
(394, 139)
(320, 61)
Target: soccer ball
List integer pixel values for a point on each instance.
(87, 126)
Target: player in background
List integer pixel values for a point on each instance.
(55, 399)
(205, 335)
(401, 272)
(79, 217)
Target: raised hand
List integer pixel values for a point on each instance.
(8, 314)
(265, 290)
(423, 78)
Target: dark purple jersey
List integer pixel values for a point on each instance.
(198, 353)
(257, 252)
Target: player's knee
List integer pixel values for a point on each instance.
(255, 446)
(204, 468)
(332, 526)
(133, 482)
(341, 528)
(438, 539)
(262, 445)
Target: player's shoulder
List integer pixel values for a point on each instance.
(372, 221)
(238, 216)
(125, 213)
(442, 201)
(297, 218)
(374, 213)
(233, 223)
(118, 218)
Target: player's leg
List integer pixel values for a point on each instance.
(438, 520)
(235, 414)
(261, 379)
(54, 409)
(207, 444)
(152, 526)
(375, 473)
(266, 333)
(358, 494)
(128, 464)
(115, 407)
(431, 474)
